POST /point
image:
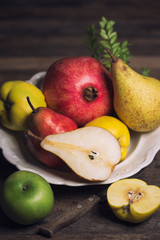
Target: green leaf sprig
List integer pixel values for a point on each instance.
(145, 71)
(109, 40)
(105, 37)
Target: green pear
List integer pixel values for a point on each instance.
(136, 97)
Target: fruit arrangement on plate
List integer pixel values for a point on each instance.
(82, 114)
(85, 108)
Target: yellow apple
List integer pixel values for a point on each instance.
(132, 200)
(117, 128)
(14, 108)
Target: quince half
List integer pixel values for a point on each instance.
(14, 107)
(117, 128)
(132, 200)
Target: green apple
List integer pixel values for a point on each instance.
(26, 197)
(14, 107)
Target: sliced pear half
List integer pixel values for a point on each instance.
(91, 152)
(133, 200)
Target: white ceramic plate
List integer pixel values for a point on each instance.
(141, 153)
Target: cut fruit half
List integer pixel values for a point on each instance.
(91, 152)
(133, 200)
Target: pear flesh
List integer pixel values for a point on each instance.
(91, 152)
(136, 98)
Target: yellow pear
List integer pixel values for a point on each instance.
(132, 200)
(136, 97)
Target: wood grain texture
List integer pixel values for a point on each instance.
(33, 34)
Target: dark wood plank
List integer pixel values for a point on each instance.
(48, 28)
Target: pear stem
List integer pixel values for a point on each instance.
(30, 104)
(112, 56)
(31, 134)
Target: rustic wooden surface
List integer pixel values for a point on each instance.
(34, 33)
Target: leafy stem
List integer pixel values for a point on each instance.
(104, 37)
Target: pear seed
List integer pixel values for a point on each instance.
(94, 152)
(93, 155)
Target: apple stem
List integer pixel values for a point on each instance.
(30, 104)
(112, 56)
(31, 134)
(25, 187)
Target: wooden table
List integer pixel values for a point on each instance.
(35, 33)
